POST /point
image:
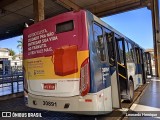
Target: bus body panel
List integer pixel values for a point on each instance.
(93, 103)
(132, 73)
(51, 61)
(100, 71)
(131, 70)
(137, 76)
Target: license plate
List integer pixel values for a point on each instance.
(49, 86)
(49, 103)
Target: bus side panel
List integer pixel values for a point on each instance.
(139, 72)
(96, 66)
(99, 72)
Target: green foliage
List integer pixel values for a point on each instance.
(11, 52)
(20, 44)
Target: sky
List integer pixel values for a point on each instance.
(136, 25)
(11, 44)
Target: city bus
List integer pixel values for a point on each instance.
(75, 62)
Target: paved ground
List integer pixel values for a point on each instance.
(148, 104)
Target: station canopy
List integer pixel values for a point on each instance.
(14, 13)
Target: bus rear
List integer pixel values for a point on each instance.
(56, 62)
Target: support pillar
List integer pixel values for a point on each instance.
(38, 7)
(156, 35)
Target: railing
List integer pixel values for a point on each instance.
(11, 83)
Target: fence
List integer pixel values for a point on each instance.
(11, 83)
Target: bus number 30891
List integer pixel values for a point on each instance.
(48, 103)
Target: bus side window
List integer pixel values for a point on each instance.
(140, 58)
(144, 57)
(99, 42)
(138, 55)
(131, 55)
(127, 52)
(120, 52)
(110, 45)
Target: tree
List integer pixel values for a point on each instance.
(20, 44)
(12, 53)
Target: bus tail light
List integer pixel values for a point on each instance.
(88, 100)
(85, 78)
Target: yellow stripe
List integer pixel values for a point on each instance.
(121, 64)
(122, 76)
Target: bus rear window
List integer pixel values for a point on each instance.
(65, 26)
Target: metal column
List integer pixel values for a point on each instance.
(156, 35)
(38, 6)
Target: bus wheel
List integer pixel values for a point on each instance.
(131, 91)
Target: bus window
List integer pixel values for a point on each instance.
(120, 53)
(131, 52)
(99, 41)
(127, 52)
(138, 55)
(65, 26)
(110, 43)
(144, 58)
(141, 58)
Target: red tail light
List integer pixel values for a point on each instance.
(85, 78)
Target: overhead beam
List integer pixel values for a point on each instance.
(4, 3)
(69, 5)
(156, 35)
(106, 8)
(119, 9)
(38, 7)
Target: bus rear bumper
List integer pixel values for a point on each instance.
(89, 105)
